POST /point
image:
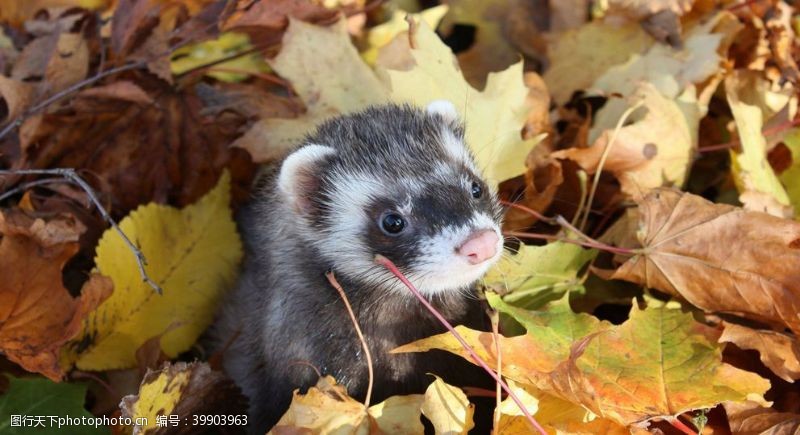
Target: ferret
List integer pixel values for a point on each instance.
(393, 180)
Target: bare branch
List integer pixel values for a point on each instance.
(69, 175)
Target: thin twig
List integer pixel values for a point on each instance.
(495, 317)
(65, 92)
(367, 354)
(71, 176)
(385, 262)
(603, 158)
(26, 186)
(587, 244)
(765, 132)
(561, 221)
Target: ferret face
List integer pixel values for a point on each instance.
(399, 182)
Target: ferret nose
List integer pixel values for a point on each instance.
(480, 246)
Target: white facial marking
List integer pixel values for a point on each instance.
(344, 245)
(441, 269)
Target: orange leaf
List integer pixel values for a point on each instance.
(37, 314)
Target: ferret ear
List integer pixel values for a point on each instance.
(298, 177)
(445, 109)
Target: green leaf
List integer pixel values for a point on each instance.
(34, 397)
(537, 275)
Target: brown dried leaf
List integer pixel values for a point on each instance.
(750, 419)
(122, 90)
(15, 97)
(718, 257)
(55, 61)
(167, 152)
(37, 314)
(265, 21)
(779, 352)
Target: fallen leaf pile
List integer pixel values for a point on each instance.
(659, 140)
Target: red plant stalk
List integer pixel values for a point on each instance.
(385, 262)
(678, 424)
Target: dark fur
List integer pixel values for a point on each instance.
(289, 318)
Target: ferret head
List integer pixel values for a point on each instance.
(400, 182)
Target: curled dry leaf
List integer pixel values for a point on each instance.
(718, 257)
(326, 408)
(751, 418)
(37, 314)
(780, 352)
(654, 150)
(184, 390)
(448, 409)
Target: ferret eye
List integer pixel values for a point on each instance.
(392, 224)
(477, 190)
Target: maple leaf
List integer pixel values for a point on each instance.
(193, 255)
(718, 257)
(653, 365)
(184, 390)
(549, 337)
(493, 117)
(37, 314)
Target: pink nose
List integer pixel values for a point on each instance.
(480, 246)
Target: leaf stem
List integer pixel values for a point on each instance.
(587, 244)
(385, 262)
(367, 354)
(69, 175)
(678, 424)
(765, 132)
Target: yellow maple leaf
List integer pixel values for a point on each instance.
(192, 254)
(493, 117)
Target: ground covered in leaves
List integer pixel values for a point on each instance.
(652, 150)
